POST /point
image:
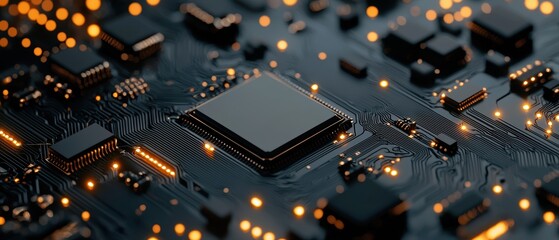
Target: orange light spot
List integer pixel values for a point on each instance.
(62, 14)
(372, 11)
(135, 9)
(264, 21)
(93, 30)
(71, 42)
(78, 19)
(93, 5)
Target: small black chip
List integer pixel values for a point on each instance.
(244, 119)
(404, 43)
(82, 148)
(82, 68)
(423, 74)
(467, 95)
(530, 78)
(548, 194)
(365, 208)
(354, 65)
(212, 20)
(445, 53)
(445, 144)
(496, 64)
(463, 211)
(502, 30)
(134, 37)
(551, 90)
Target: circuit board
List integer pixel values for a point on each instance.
(279, 119)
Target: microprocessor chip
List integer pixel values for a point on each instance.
(502, 30)
(472, 92)
(134, 37)
(82, 148)
(366, 208)
(81, 68)
(250, 119)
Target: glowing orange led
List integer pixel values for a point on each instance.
(78, 19)
(155, 162)
(282, 45)
(372, 36)
(90, 185)
(299, 211)
(9, 138)
(314, 87)
(62, 14)
(256, 202)
(93, 5)
(93, 30)
(152, 2)
(135, 9)
(264, 21)
(65, 202)
(195, 235)
(372, 11)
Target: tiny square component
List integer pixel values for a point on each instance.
(366, 209)
(445, 53)
(496, 64)
(471, 93)
(354, 65)
(445, 144)
(551, 90)
(548, 194)
(404, 43)
(502, 30)
(82, 68)
(134, 37)
(463, 211)
(266, 122)
(82, 148)
(422, 73)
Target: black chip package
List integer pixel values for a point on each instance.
(82, 68)
(134, 37)
(82, 148)
(267, 122)
(365, 208)
(502, 30)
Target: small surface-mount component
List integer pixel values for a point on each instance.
(137, 182)
(14, 78)
(255, 50)
(422, 73)
(243, 119)
(316, 6)
(548, 194)
(496, 64)
(404, 43)
(347, 17)
(454, 27)
(81, 68)
(130, 89)
(445, 144)
(350, 170)
(464, 210)
(467, 95)
(445, 53)
(502, 30)
(551, 90)
(82, 148)
(365, 209)
(530, 78)
(60, 89)
(407, 125)
(26, 96)
(212, 20)
(218, 214)
(133, 37)
(354, 65)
